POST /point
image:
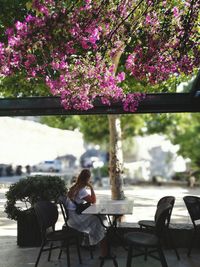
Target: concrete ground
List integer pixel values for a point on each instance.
(145, 200)
(13, 256)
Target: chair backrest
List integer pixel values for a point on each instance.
(163, 213)
(47, 214)
(166, 200)
(193, 206)
(62, 202)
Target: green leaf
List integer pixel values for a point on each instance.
(29, 5)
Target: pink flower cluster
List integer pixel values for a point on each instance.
(132, 100)
(79, 87)
(152, 65)
(4, 67)
(73, 44)
(169, 44)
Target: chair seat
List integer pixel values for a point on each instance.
(147, 223)
(59, 235)
(71, 230)
(141, 239)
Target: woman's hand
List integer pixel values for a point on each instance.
(89, 185)
(92, 197)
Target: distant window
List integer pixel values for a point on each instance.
(49, 161)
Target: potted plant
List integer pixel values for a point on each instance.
(21, 197)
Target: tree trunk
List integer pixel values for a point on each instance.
(115, 157)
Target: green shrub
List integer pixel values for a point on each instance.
(101, 171)
(30, 190)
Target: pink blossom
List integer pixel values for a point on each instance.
(9, 31)
(121, 76)
(148, 19)
(176, 12)
(132, 100)
(19, 25)
(14, 41)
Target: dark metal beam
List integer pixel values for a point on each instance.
(153, 103)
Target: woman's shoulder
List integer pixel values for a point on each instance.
(83, 192)
(82, 189)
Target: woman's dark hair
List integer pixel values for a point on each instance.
(83, 177)
(81, 182)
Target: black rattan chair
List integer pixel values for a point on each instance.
(150, 224)
(47, 216)
(149, 242)
(193, 206)
(66, 227)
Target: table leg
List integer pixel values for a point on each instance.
(109, 255)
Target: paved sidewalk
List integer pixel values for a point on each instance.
(13, 256)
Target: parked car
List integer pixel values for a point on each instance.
(6, 170)
(3, 169)
(93, 158)
(49, 166)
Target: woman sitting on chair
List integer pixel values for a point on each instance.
(89, 224)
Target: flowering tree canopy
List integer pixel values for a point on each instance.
(74, 46)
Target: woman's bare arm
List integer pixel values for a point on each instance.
(92, 197)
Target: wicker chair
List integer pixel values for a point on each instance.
(193, 206)
(149, 242)
(66, 227)
(150, 224)
(47, 216)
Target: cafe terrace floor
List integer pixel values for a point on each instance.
(145, 199)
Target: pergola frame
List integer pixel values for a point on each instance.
(153, 103)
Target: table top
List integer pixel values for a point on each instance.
(111, 207)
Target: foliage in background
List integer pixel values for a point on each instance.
(100, 171)
(62, 122)
(95, 128)
(10, 12)
(186, 133)
(30, 190)
(19, 86)
(182, 129)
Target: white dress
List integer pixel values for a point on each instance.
(86, 223)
